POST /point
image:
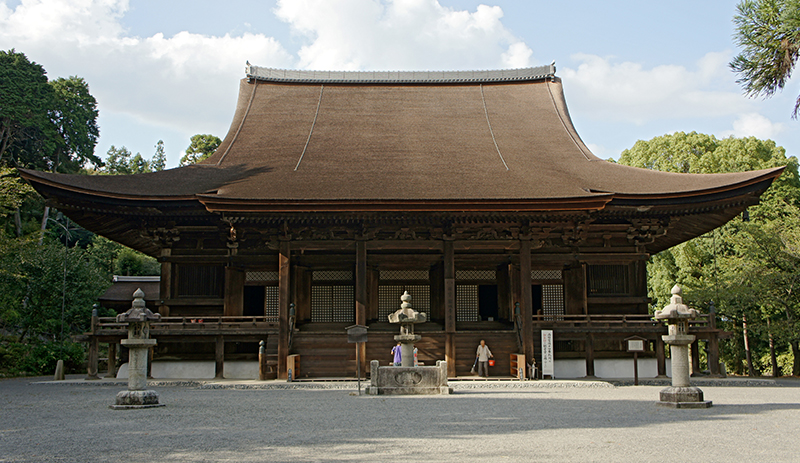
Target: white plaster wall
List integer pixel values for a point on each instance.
(608, 368)
(201, 369)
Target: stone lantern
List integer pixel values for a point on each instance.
(138, 319)
(681, 394)
(407, 317)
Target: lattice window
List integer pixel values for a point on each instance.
(553, 299)
(200, 281)
(607, 280)
(389, 298)
(399, 275)
(271, 302)
(467, 303)
(260, 277)
(486, 275)
(545, 274)
(333, 275)
(332, 303)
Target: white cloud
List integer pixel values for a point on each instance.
(606, 90)
(181, 81)
(188, 82)
(401, 34)
(754, 125)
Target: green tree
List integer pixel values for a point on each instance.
(74, 116)
(46, 295)
(746, 266)
(201, 147)
(768, 32)
(44, 125)
(159, 161)
(120, 161)
(25, 102)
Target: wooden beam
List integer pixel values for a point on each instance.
(361, 283)
(284, 291)
(405, 245)
(526, 292)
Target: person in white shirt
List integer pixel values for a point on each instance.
(483, 354)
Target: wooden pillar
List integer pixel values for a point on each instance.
(506, 311)
(219, 357)
(91, 370)
(165, 284)
(373, 280)
(589, 355)
(361, 298)
(450, 306)
(302, 292)
(112, 360)
(234, 292)
(436, 278)
(696, 357)
(661, 357)
(361, 283)
(713, 342)
(284, 291)
(526, 293)
(575, 290)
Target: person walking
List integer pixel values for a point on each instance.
(398, 355)
(483, 354)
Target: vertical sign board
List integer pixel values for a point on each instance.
(547, 353)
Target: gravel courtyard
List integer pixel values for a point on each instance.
(484, 422)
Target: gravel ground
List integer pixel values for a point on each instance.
(485, 422)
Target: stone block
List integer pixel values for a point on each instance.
(136, 399)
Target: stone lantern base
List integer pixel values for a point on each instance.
(129, 400)
(683, 397)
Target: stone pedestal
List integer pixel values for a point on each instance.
(408, 379)
(425, 380)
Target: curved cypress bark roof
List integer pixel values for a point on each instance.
(492, 139)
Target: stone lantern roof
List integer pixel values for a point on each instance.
(676, 308)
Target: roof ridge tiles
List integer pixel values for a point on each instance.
(361, 77)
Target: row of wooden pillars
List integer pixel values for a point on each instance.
(522, 291)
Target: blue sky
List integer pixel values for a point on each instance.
(169, 69)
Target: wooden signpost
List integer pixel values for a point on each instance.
(636, 345)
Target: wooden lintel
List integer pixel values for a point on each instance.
(402, 245)
(332, 245)
(486, 245)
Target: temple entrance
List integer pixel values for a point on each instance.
(487, 302)
(253, 301)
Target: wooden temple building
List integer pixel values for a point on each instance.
(335, 192)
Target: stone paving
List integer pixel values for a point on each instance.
(487, 421)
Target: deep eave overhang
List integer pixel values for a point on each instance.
(215, 204)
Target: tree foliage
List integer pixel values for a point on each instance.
(749, 268)
(159, 161)
(202, 146)
(120, 161)
(768, 32)
(45, 125)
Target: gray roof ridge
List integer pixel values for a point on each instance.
(477, 76)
